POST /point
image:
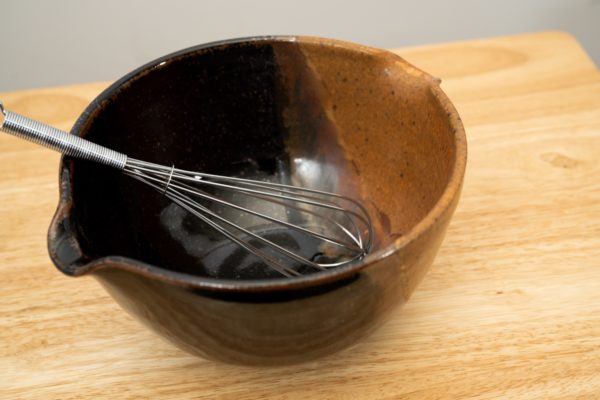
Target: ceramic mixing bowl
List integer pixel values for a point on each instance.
(323, 113)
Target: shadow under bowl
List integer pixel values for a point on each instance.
(322, 113)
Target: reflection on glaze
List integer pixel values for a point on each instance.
(312, 173)
(172, 219)
(219, 257)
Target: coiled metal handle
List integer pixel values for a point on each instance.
(55, 139)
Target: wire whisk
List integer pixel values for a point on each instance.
(338, 228)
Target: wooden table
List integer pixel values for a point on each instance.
(510, 309)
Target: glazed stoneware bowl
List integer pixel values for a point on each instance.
(323, 113)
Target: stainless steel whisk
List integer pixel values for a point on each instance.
(339, 224)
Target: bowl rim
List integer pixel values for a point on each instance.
(444, 202)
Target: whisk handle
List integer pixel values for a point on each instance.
(55, 139)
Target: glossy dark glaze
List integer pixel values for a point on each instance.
(374, 127)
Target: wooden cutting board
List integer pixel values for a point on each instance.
(510, 309)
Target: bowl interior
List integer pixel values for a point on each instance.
(317, 113)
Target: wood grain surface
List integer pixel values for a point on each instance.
(510, 309)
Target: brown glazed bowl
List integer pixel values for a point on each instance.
(371, 125)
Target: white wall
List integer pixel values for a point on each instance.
(47, 43)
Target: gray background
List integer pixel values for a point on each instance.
(48, 43)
